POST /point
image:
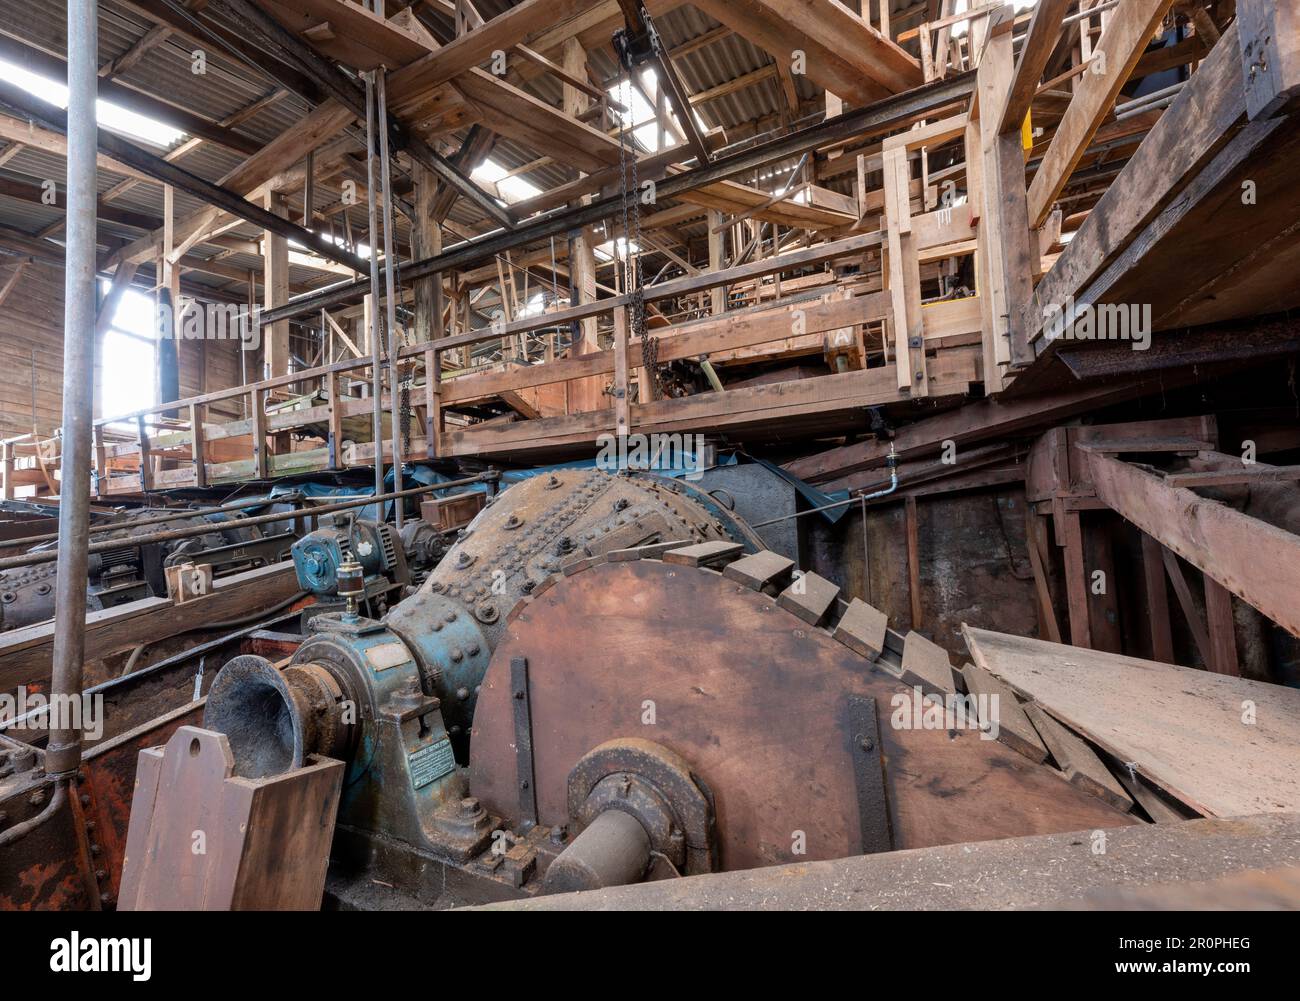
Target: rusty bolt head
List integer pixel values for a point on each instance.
(469, 806)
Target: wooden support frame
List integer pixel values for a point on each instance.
(1256, 561)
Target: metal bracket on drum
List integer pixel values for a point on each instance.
(523, 743)
(869, 775)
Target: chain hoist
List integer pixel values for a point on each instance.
(631, 205)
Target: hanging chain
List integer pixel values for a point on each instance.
(632, 237)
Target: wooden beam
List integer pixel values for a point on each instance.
(1128, 30)
(1256, 561)
(843, 54)
(1194, 128)
(25, 654)
(1040, 39)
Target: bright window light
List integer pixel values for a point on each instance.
(128, 377)
(606, 250)
(962, 27)
(641, 113)
(108, 114)
(512, 189)
(535, 305)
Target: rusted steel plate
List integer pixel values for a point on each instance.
(753, 699)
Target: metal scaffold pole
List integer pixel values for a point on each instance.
(63, 752)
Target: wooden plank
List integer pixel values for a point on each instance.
(1000, 713)
(810, 597)
(266, 839)
(1181, 728)
(704, 554)
(25, 654)
(927, 665)
(761, 569)
(1077, 760)
(1128, 30)
(862, 629)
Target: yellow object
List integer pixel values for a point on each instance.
(1027, 131)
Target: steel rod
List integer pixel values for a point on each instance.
(50, 555)
(390, 295)
(376, 371)
(63, 751)
(171, 515)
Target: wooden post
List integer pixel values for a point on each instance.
(198, 445)
(275, 290)
(717, 296)
(904, 274)
(257, 401)
(432, 402)
(1036, 544)
(913, 562)
(146, 457)
(1103, 613)
(1162, 640)
(1223, 634)
(335, 443)
(1076, 578)
(620, 373)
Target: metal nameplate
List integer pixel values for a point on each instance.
(431, 763)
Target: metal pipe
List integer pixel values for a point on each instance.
(390, 259)
(189, 512)
(50, 555)
(63, 751)
(376, 372)
(56, 802)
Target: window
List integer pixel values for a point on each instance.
(108, 114)
(128, 357)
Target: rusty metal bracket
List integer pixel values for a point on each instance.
(869, 775)
(523, 743)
